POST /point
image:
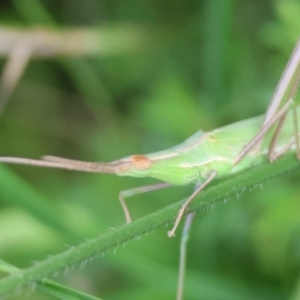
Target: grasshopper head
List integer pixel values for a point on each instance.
(173, 169)
(135, 165)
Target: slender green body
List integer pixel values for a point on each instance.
(191, 161)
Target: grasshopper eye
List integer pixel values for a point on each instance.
(141, 162)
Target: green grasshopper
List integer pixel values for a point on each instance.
(205, 156)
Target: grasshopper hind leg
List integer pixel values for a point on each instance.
(272, 153)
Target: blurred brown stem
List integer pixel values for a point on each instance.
(19, 46)
(47, 43)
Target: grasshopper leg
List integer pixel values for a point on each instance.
(272, 154)
(135, 191)
(280, 114)
(183, 209)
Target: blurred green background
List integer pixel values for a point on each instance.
(196, 65)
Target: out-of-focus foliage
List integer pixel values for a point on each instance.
(205, 64)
